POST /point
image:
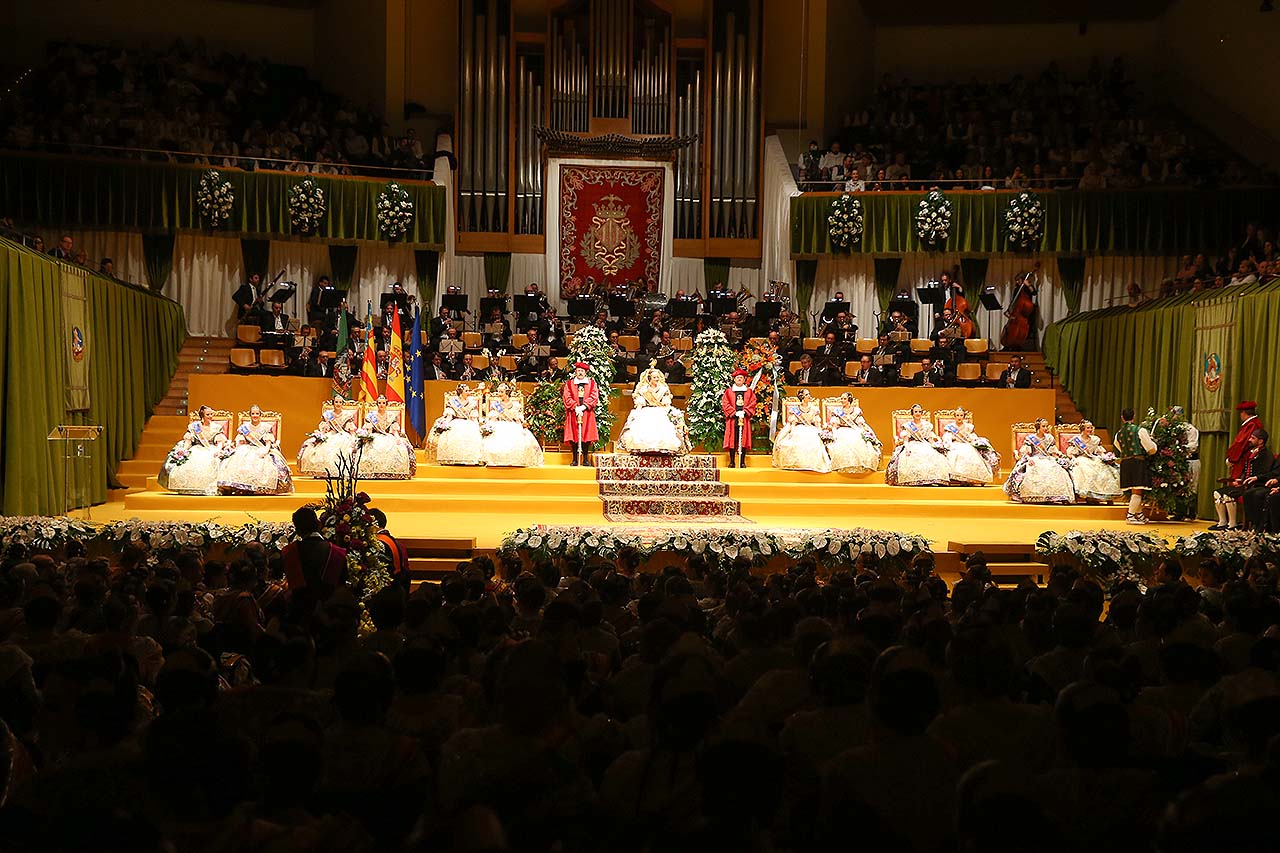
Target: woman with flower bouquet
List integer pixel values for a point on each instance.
(509, 442)
(970, 457)
(387, 455)
(800, 445)
(854, 448)
(192, 466)
(1094, 471)
(256, 466)
(1040, 475)
(333, 438)
(918, 459)
(456, 434)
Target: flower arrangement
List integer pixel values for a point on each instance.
(346, 522)
(43, 532)
(591, 346)
(760, 360)
(1232, 548)
(395, 211)
(306, 206)
(364, 435)
(1024, 220)
(178, 456)
(836, 547)
(1171, 465)
(713, 362)
(544, 410)
(215, 198)
(933, 219)
(1104, 553)
(49, 534)
(844, 221)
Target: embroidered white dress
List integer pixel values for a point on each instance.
(799, 445)
(334, 437)
(192, 467)
(970, 458)
(387, 455)
(256, 466)
(917, 461)
(1040, 477)
(854, 448)
(654, 426)
(458, 440)
(1094, 472)
(509, 443)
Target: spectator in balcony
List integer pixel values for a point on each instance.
(107, 267)
(1038, 180)
(1016, 180)
(1246, 273)
(1092, 178)
(899, 171)
(881, 182)
(832, 160)
(64, 251)
(854, 182)
(355, 146)
(382, 147)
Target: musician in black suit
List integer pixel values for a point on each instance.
(830, 359)
(806, 373)
(551, 332)
(433, 369)
(316, 365)
(674, 370)
(439, 325)
(867, 376)
(314, 312)
(888, 373)
(844, 328)
(248, 297)
(530, 365)
(501, 339)
(932, 375)
(530, 319)
(790, 351)
(274, 320)
(468, 372)
(1015, 375)
(947, 338)
(651, 330)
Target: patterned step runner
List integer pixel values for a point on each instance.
(653, 460)
(664, 488)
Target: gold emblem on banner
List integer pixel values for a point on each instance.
(610, 244)
(1212, 372)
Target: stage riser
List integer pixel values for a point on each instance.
(639, 488)
(518, 506)
(675, 506)
(307, 488)
(978, 511)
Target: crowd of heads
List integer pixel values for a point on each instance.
(188, 103)
(1250, 259)
(1049, 131)
(188, 703)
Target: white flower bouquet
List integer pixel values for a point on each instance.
(844, 221)
(215, 198)
(306, 206)
(933, 218)
(1024, 220)
(395, 211)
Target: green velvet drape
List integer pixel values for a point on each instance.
(886, 273)
(342, 262)
(806, 275)
(497, 271)
(715, 272)
(132, 338)
(157, 254)
(973, 275)
(427, 262)
(160, 197)
(1071, 280)
(1116, 357)
(1140, 222)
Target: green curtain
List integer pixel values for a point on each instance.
(342, 262)
(806, 275)
(50, 190)
(134, 337)
(886, 272)
(256, 254)
(497, 271)
(1116, 357)
(715, 271)
(1071, 279)
(1139, 222)
(157, 254)
(973, 275)
(427, 262)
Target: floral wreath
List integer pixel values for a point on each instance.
(844, 222)
(933, 218)
(395, 211)
(215, 198)
(306, 206)
(1024, 219)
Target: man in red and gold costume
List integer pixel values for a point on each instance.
(1238, 453)
(739, 405)
(580, 398)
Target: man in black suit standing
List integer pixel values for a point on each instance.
(932, 374)
(1015, 375)
(439, 324)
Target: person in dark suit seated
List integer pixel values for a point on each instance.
(650, 331)
(438, 325)
(433, 369)
(888, 373)
(502, 338)
(317, 366)
(274, 320)
(790, 351)
(830, 359)
(671, 366)
(1015, 375)
(867, 376)
(806, 374)
(530, 366)
(932, 375)
(551, 333)
(468, 372)
(947, 339)
(844, 328)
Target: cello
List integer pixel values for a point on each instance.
(1021, 314)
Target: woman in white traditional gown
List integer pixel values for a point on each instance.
(799, 445)
(854, 448)
(970, 457)
(457, 430)
(256, 466)
(192, 466)
(387, 455)
(917, 459)
(1094, 471)
(654, 426)
(509, 442)
(1039, 476)
(334, 437)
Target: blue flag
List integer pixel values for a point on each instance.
(416, 401)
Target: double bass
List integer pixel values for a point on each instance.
(1021, 313)
(959, 308)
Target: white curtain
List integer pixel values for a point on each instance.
(1106, 277)
(528, 269)
(124, 248)
(468, 274)
(553, 219)
(206, 272)
(377, 266)
(775, 232)
(854, 278)
(302, 264)
(447, 271)
(745, 276)
(687, 275)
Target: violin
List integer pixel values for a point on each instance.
(1020, 314)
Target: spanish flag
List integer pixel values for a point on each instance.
(369, 374)
(395, 363)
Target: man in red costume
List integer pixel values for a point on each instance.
(580, 398)
(739, 405)
(1238, 453)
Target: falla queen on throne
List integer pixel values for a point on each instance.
(387, 454)
(256, 466)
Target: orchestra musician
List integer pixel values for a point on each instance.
(439, 324)
(932, 374)
(948, 337)
(531, 318)
(843, 326)
(885, 347)
(868, 375)
(551, 332)
(275, 320)
(468, 372)
(1023, 313)
(830, 359)
(651, 331)
(621, 358)
(790, 350)
(501, 339)
(806, 374)
(315, 313)
(530, 365)
(673, 369)
(1015, 375)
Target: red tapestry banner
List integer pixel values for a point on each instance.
(610, 227)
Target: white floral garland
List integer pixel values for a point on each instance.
(395, 211)
(306, 205)
(1024, 219)
(844, 222)
(1106, 552)
(933, 218)
(215, 198)
(1231, 547)
(50, 533)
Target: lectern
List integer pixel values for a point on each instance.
(77, 452)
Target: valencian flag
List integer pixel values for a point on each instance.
(416, 400)
(395, 363)
(369, 374)
(341, 367)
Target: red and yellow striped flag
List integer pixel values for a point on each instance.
(369, 373)
(395, 363)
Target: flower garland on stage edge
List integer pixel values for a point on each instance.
(1111, 556)
(1231, 548)
(713, 362)
(46, 533)
(933, 219)
(1170, 465)
(1024, 220)
(395, 211)
(760, 360)
(215, 198)
(306, 206)
(346, 522)
(844, 222)
(592, 347)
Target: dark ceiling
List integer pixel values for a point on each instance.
(934, 12)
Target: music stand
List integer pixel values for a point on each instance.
(931, 294)
(527, 305)
(991, 302)
(582, 306)
(450, 347)
(621, 306)
(770, 311)
(831, 309)
(284, 293)
(488, 303)
(722, 305)
(683, 309)
(452, 301)
(77, 446)
(331, 297)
